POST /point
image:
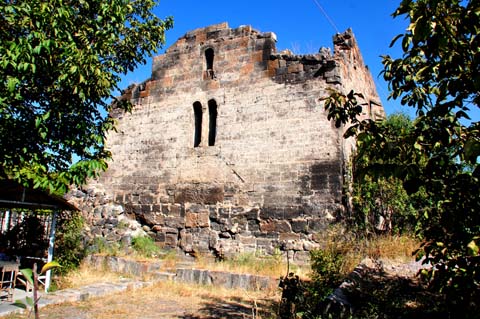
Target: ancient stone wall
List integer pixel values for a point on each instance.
(228, 147)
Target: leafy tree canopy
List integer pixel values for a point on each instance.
(60, 61)
(438, 75)
(380, 203)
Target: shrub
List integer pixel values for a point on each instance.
(306, 299)
(145, 246)
(69, 248)
(101, 246)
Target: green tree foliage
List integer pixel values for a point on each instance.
(438, 75)
(309, 299)
(69, 246)
(60, 62)
(380, 203)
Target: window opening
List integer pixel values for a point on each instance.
(212, 128)
(197, 111)
(209, 56)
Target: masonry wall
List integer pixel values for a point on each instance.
(264, 169)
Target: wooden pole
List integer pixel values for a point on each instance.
(35, 292)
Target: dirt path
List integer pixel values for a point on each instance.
(167, 300)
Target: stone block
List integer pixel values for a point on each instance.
(237, 211)
(246, 69)
(157, 228)
(174, 222)
(289, 237)
(253, 226)
(281, 71)
(309, 246)
(299, 225)
(160, 237)
(273, 64)
(119, 198)
(171, 240)
(271, 212)
(213, 213)
(252, 214)
(163, 208)
(240, 222)
(215, 226)
(301, 257)
(317, 225)
(278, 226)
(247, 240)
(193, 220)
(295, 68)
(292, 212)
(199, 193)
(151, 218)
(292, 245)
(225, 235)
(186, 241)
(177, 210)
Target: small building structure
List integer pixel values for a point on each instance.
(26, 234)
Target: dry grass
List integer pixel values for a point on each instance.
(85, 275)
(177, 300)
(251, 263)
(169, 300)
(397, 247)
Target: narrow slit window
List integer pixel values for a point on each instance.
(197, 111)
(209, 55)
(212, 127)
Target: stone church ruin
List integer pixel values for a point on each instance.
(228, 148)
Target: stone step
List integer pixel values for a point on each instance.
(163, 276)
(185, 272)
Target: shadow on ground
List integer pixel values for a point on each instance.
(382, 295)
(234, 308)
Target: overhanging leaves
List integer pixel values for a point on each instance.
(60, 62)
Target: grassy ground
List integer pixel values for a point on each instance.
(86, 275)
(169, 300)
(176, 300)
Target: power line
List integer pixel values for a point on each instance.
(326, 16)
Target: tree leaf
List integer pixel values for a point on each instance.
(48, 266)
(19, 304)
(473, 249)
(28, 274)
(29, 301)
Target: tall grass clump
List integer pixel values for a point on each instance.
(145, 246)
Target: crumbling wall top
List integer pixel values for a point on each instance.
(220, 31)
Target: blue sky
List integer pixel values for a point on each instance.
(300, 26)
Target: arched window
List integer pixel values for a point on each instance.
(209, 55)
(197, 111)
(212, 127)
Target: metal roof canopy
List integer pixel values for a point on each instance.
(14, 195)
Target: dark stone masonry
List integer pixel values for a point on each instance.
(228, 148)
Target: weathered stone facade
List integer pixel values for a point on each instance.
(228, 147)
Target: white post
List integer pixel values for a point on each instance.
(51, 242)
(6, 222)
